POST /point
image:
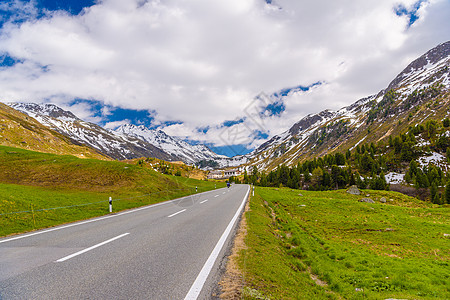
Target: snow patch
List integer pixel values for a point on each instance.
(394, 178)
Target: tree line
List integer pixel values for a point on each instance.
(366, 165)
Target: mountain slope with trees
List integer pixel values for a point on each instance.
(419, 93)
(398, 139)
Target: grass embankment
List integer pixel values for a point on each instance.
(33, 181)
(321, 245)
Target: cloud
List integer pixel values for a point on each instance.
(116, 124)
(202, 62)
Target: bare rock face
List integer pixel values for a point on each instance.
(353, 190)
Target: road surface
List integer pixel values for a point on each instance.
(163, 251)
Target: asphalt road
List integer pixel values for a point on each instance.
(162, 251)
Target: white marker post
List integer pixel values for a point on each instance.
(110, 204)
(253, 191)
(196, 189)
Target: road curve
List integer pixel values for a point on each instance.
(154, 252)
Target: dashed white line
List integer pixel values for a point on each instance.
(203, 201)
(216, 196)
(179, 212)
(91, 220)
(90, 248)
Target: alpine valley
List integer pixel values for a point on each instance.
(419, 93)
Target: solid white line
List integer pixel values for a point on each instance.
(197, 286)
(90, 248)
(176, 213)
(95, 219)
(203, 201)
(57, 228)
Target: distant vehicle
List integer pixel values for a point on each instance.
(228, 185)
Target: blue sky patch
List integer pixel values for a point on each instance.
(277, 107)
(401, 10)
(203, 129)
(285, 92)
(8, 61)
(259, 135)
(232, 123)
(73, 7)
(230, 150)
(17, 11)
(274, 109)
(112, 113)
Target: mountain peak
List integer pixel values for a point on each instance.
(47, 109)
(438, 57)
(420, 92)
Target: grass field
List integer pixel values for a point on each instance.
(31, 183)
(328, 245)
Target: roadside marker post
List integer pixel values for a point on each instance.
(196, 189)
(110, 204)
(253, 191)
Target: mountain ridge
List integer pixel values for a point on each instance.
(126, 142)
(22, 131)
(423, 81)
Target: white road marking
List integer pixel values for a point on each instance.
(90, 248)
(92, 220)
(197, 286)
(216, 196)
(203, 201)
(53, 229)
(176, 213)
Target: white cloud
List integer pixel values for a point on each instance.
(116, 124)
(202, 62)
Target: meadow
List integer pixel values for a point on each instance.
(328, 245)
(39, 190)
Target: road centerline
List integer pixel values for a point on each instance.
(204, 201)
(91, 248)
(179, 212)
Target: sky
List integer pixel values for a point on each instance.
(230, 74)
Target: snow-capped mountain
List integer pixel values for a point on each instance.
(421, 91)
(127, 142)
(20, 131)
(171, 145)
(86, 133)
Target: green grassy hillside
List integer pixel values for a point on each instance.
(34, 182)
(322, 245)
(21, 131)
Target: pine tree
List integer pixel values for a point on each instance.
(447, 193)
(434, 194)
(448, 154)
(446, 122)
